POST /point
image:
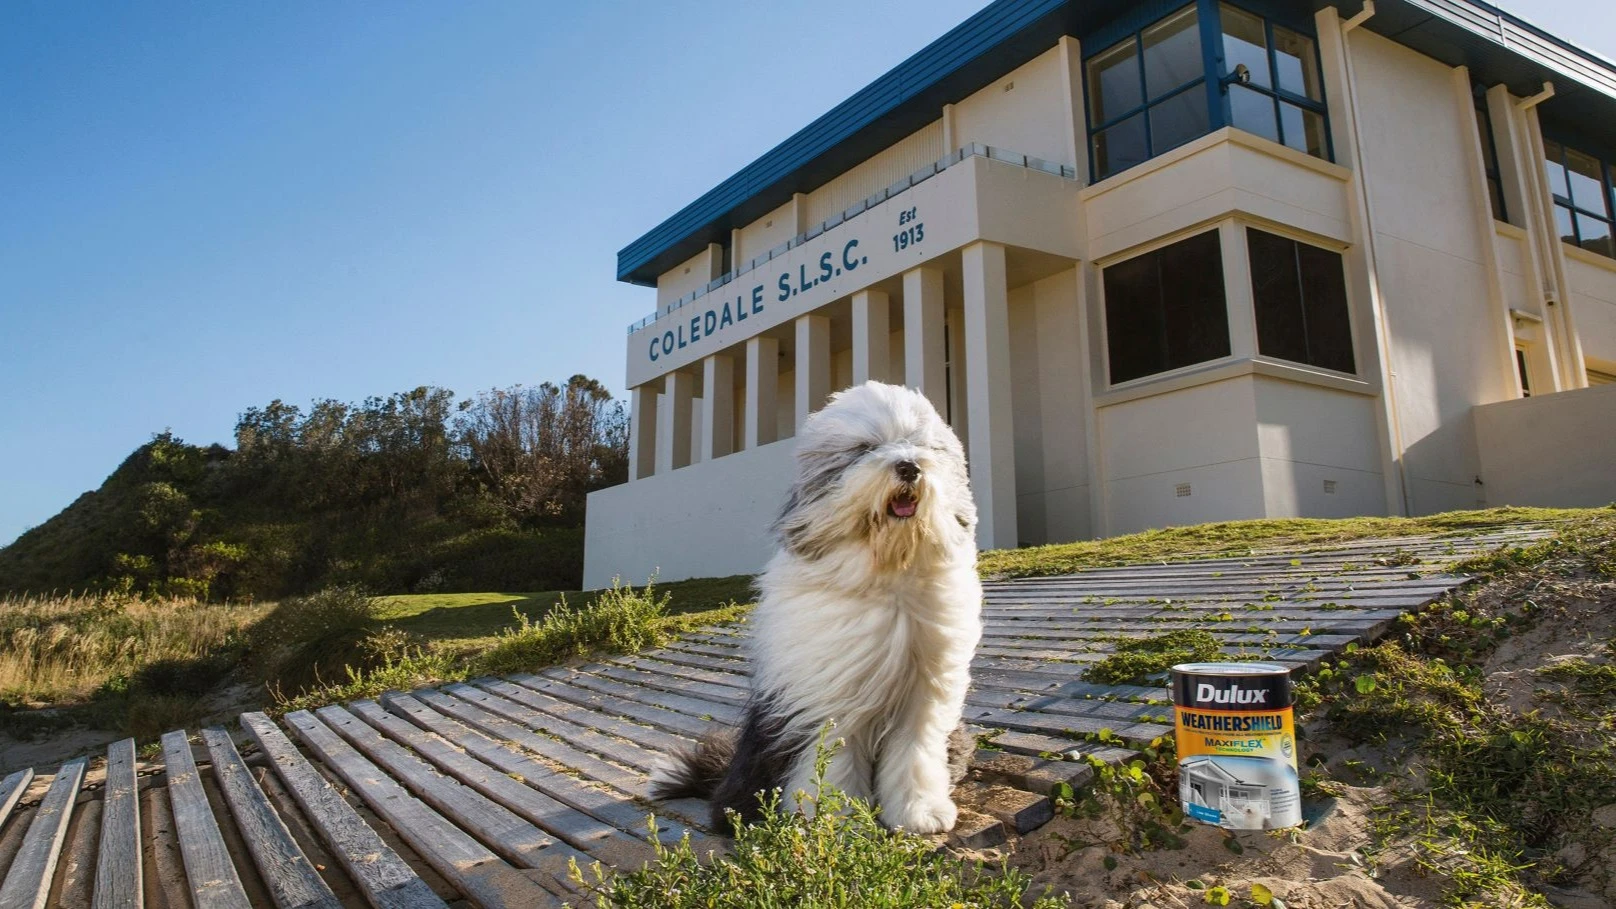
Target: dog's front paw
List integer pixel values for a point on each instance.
(922, 815)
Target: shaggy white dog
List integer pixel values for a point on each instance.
(868, 617)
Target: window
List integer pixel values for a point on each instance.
(1142, 97)
(1489, 155)
(1300, 295)
(1203, 67)
(1522, 372)
(1581, 184)
(1166, 309)
(1275, 91)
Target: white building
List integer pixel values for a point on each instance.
(1158, 263)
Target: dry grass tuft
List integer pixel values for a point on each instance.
(62, 649)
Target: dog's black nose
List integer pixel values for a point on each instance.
(908, 471)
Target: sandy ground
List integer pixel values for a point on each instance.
(1335, 860)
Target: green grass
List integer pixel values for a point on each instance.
(463, 622)
(1497, 790)
(1240, 537)
(433, 638)
(835, 855)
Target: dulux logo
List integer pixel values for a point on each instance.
(1205, 694)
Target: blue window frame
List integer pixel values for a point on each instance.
(1582, 184)
(1202, 66)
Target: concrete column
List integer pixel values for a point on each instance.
(872, 334)
(923, 353)
(642, 424)
(762, 389)
(813, 365)
(673, 436)
(987, 359)
(717, 407)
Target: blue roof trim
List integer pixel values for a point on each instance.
(1498, 47)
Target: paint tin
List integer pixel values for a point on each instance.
(1236, 745)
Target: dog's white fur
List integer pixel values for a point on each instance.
(868, 620)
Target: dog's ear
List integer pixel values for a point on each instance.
(791, 529)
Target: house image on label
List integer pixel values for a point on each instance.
(1157, 263)
(1210, 793)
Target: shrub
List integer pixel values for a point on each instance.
(834, 854)
(306, 641)
(620, 620)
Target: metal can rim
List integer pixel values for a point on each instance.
(1231, 669)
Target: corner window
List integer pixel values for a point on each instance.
(1202, 67)
(1582, 187)
(1166, 309)
(1300, 295)
(1141, 92)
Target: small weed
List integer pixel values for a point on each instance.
(1138, 661)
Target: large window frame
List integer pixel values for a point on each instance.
(1214, 82)
(1242, 325)
(1569, 204)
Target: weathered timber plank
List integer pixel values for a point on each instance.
(11, 790)
(384, 879)
(650, 742)
(721, 694)
(573, 827)
(655, 717)
(679, 700)
(509, 721)
(648, 663)
(611, 808)
(28, 883)
(471, 867)
(286, 871)
(211, 874)
(671, 654)
(1031, 721)
(512, 837)
(119, 866)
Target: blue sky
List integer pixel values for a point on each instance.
(206, 206)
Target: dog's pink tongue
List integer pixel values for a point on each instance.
(903, 507)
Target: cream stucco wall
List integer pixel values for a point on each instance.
(1432, 270)
(1593, 299)
(1520, 469)
(704, 520)
(767, 232)
(688, 275)
(1047, 379)
(904, 157)
(1021, 111)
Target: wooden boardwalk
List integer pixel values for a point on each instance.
(486, 793)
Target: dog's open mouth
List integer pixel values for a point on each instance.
(903, 505)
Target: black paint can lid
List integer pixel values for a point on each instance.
(1232, 686)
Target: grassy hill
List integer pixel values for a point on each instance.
(400, 494)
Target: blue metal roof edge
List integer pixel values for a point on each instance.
(992, 29)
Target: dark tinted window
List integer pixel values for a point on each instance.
(1583, 186)
(1166, 309)
(1300, 294)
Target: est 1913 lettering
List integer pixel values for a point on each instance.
(914, 233)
